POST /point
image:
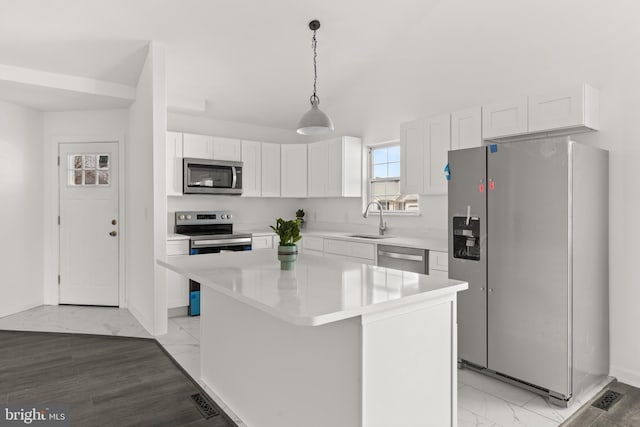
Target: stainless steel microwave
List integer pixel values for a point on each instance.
(204, 176)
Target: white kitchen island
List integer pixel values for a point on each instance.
(330, 344)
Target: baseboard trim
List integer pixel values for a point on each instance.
(20, 308)
(144, 321)
(626, 376)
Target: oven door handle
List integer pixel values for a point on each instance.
(222, 242)
(395, 255)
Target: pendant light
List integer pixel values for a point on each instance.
(314, 121)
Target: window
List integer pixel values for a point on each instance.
(384, 180)
(88, 170)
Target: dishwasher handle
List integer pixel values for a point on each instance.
(396, 255)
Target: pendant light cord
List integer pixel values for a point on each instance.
(314, 45)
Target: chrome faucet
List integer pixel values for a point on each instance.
(383, 225)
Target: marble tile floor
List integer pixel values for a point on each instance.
(482, 401)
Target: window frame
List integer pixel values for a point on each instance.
(370, 180)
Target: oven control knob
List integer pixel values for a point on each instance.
(229, 216)
(180, 216)
(188, 216)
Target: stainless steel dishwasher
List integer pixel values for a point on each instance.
(401, 258)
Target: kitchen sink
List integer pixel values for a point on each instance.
(369, 236)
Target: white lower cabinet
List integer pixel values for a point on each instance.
(439, 264)
(177, 285)
(261, 242)
(344, 250)
(312, 243)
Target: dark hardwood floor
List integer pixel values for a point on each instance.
(105, 380)
(623, 413)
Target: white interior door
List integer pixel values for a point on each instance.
(89, 223)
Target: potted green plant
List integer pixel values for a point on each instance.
(300, 217)
(289, 233)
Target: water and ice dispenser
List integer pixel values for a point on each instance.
(466, 237)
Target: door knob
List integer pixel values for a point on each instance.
(113, 233)
(114, 222)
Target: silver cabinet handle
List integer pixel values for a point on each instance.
(406, 257)
(220, 242)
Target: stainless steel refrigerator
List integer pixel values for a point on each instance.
(528, 229)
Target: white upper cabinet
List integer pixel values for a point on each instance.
(505, 118)
(270, 169)
(567, 109)
(197, 146)
(437, 145)
(412, 142)
(251, 169)
(335, 168)
(227, 149)
(559, 113)
(466, 128)
(318, 169)
(174, 164)
(424, 146)
(293, 170)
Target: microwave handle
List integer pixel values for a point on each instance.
(235, 177)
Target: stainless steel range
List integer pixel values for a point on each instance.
(210, 232)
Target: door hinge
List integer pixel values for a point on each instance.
(58, 279)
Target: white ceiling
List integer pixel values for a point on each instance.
(378, 60)
(250, 59)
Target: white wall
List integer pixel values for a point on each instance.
(469, 53)
(146, 196)
(71, 126)
(21, 180)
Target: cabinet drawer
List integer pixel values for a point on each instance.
(439, 274)
(261, 242)
(438, 261)
(177, 247)
(338, 247)
(362, 250)
(313, 243)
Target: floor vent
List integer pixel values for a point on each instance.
(205, 406)
(607, 400)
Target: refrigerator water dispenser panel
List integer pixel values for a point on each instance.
(466, 238)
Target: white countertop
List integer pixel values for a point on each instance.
(174, 236)
(432, 244)
(320, 290)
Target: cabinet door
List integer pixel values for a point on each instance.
(270, 170)
(318, 169)
(174, 164)
(504, 118)
(466, 128)
(177, 289)
(261, 242)
(226, 149)
(566, 109)
(335, 168)
(412, 139)
(351, 166)
(251, 169)
(197, 146)
(293, 170)
(438, 144)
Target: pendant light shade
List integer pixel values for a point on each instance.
(314, 121)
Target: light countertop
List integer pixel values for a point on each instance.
(320, 290)
(432, 244)
(174, 236)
